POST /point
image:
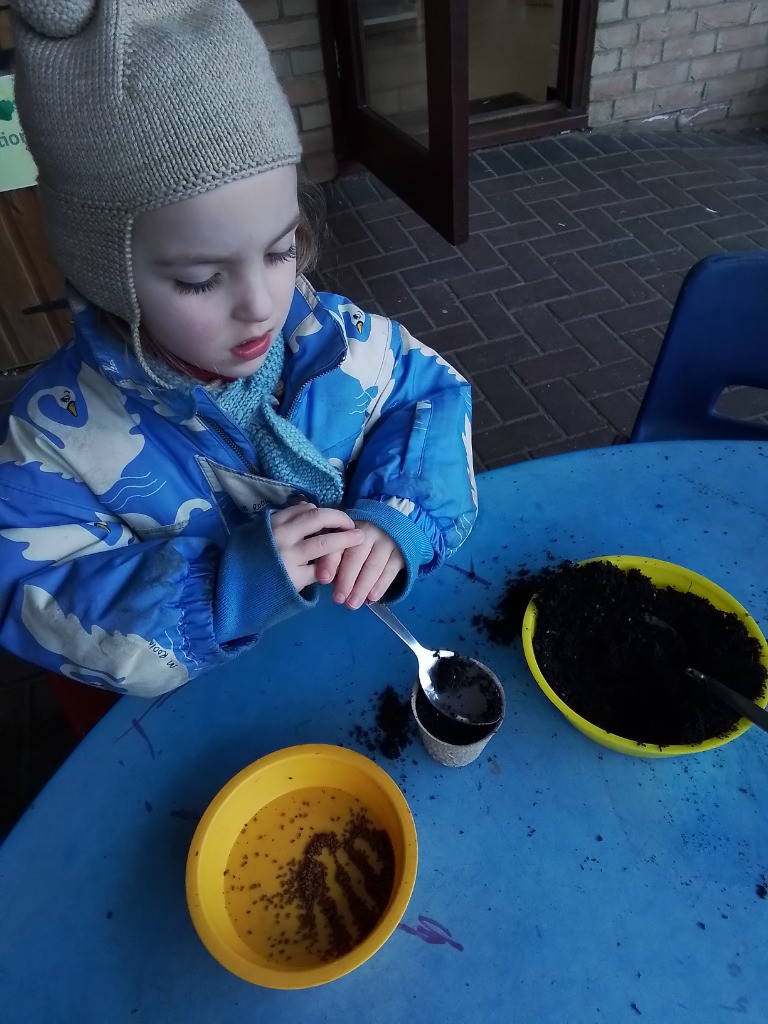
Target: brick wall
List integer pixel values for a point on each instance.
(677, 63)
(291, 31)
(667, 63)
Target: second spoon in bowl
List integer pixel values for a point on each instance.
(746, 707)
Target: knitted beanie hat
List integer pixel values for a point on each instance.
(129, 105)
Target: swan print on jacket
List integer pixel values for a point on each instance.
(118, 498)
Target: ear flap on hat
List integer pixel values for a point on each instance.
(57, 20)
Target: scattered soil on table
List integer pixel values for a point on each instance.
(394, 728)
(599, 654)
(505, 626)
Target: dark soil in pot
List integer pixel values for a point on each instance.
(460, 675)
(613, 668)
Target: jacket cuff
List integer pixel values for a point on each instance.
(253, 591)
(409, 537)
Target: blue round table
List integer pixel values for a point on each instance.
(558, 882)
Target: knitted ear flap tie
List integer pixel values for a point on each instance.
(198, 106)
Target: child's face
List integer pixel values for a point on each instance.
(214, 274)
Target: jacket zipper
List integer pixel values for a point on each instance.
(232, 445)
(311, 380)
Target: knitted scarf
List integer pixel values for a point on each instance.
(284, 453)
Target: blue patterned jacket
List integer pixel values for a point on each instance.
(135, 545)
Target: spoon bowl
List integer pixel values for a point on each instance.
(459, 688)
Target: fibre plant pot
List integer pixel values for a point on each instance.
(450, 742)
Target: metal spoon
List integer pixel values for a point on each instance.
(740, 703)
(428, 660)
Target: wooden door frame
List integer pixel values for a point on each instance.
(433, 179)
(566, 111)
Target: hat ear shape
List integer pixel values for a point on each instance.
(55, 18)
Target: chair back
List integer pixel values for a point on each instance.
(717, 338)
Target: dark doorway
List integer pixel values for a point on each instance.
(406, 120)
(415, 84)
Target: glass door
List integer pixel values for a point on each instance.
(513, 53)
(415, 84)
(401, 95)
(529, 64)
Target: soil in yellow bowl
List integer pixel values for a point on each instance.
(308, 877)
(608, 662)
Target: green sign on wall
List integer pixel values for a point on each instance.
(17, 168)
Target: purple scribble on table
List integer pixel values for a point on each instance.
(469, 573)
(432, 931)
(136, 724)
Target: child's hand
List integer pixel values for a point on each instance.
(365, 572)
(304, 533)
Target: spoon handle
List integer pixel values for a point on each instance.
(396, 625)
(747, 707)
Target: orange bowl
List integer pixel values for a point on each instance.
(301, 867)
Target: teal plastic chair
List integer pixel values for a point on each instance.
(717, 338)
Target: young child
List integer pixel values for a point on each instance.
(218, 438)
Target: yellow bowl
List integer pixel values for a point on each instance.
(661, 574)
(271, 856)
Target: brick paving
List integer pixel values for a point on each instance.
(554, 308)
